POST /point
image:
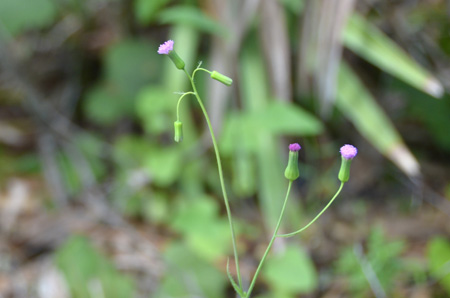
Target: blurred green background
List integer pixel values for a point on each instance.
(97, 200)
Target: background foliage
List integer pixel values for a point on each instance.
(96, 200)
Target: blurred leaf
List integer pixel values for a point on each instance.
(146, 10)
(130, 64)
(92, 147)
(20, 15)
(290, 272)
(156, 208)
(69, 173)
(438, 253)
(187, 273)
(434, 115)
(82, 265)
(269, 167)
(384, 258)
(355, 101)
(238, 129)
(105, 105)
(191, 16)
(131, 151)
(164, 165)
(155, 108)
(206, 233)
(244, 172)
(374, 46)
(286, 118)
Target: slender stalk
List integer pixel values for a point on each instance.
(179, 102)
(270, 243)
(315, 218)
(222, 183)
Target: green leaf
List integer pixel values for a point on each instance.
(20, 15)
(269, 166)
(164, 165)
(191, 16)
(155, 107)
(188, 273)
(286, 118)
(206, 233)
(105, 105)
(131, 64)
(291, 272)
(374, 46)
(438, 253)
(82, 264)
(146, 10)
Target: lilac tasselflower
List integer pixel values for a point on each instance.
(348, 152)
(167, 49)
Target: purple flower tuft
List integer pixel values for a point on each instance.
(348, 151)
(166, 47)
(294, 147)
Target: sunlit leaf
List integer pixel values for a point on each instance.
(191, 16)
(290, 272)
(374, 46)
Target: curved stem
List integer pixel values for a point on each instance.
(179, 102)
(315, 218)
(222, 182)
(270, 243)
(199, 68)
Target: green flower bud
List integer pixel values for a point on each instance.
(221, 78)
(179, 63)
(178, 125)
(292, 172)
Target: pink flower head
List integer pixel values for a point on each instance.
(294, 147)
(166, 47)
(348, 151)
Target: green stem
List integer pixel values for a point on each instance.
(315, 218)
(199, 68)
(270, 243)
(222, 183)
(179, 102)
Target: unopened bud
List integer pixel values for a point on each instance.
(179, 63)
(221, 78)
(178, 125)
(292, 172)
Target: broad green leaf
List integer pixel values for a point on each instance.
(206, 233)
(269, 167)
(130, 64)
(164, 165)
(355, 101)
(373, 45)
(155, 107)
(82, 264)
(104, 104)
(188, 273)
(290, 272)
(287, 119)
(146, 10)
(438, 253)
(18, 16)
(191, 16)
